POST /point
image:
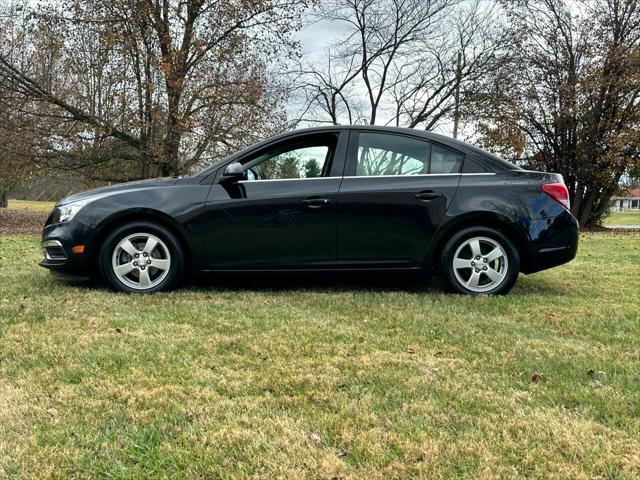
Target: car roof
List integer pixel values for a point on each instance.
(401, 130)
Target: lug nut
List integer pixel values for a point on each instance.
(484, 268)
(477, 270)
(143, 267)
(473, 264)
(485, 260)
(478, 257)
(137, 255)
(148, 262)
(144, 254)
(135, 264)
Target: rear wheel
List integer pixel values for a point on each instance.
(480, 261)
(141, 257)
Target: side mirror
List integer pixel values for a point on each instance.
(233, 172)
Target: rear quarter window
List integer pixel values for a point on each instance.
(444, 160)
(472, 166)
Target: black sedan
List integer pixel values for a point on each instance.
(329, 198)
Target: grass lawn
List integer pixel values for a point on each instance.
(31, 205)
(332, 381)
(622, 218)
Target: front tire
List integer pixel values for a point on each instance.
(480, 261)
(141, 257)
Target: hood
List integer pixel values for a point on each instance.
(119, 188)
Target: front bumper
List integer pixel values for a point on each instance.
(554, 241)
(58, 241)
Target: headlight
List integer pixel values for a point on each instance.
(68, 211)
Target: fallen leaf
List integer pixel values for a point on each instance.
(315, 439)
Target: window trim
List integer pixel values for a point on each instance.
(419, 175)
(288, 179)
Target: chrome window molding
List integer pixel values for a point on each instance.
(367, 176)
(417, 175)
(286, 179)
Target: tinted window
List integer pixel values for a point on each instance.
(308, 158)
(444, 160)
(471, 166)
(384, 154)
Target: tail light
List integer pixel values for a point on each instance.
(559, 192)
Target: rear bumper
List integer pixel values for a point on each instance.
(554, 241)
(57, 243)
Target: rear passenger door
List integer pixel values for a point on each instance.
(394, 195)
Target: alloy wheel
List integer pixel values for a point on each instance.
(141, 261)
(480, 264)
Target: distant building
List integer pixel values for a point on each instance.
(629, 200)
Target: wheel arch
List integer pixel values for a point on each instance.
(138, 215)
(482, 219)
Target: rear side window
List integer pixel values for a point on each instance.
(386, 154)
(444, 160)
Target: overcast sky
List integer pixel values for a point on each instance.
(316, 36)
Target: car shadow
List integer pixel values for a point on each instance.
(321, 281)
(292, 281)
(407, 282)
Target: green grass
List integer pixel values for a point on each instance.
(31, 205)
(331, 381)
(622, 218)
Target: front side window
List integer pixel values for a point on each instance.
(385, 154)
(308, 158)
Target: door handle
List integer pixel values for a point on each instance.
(428, 195)
(315, 202)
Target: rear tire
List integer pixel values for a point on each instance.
(141, 257)
(480, 261)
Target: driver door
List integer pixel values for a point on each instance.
(282, 214)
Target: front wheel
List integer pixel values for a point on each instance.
(480, 261)
(141, 257)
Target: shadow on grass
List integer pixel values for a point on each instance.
(294, 281)
(347, 282)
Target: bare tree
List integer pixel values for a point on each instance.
(401, 56)
(133, 88)
(566, 96)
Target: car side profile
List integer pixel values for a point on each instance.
(327, 198)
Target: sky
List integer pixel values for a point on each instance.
(315, 37)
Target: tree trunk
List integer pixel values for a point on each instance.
(4, 200)
(171, 164)
(584, 210)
